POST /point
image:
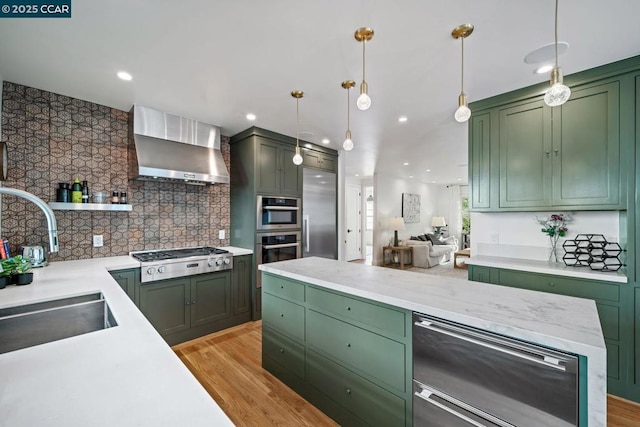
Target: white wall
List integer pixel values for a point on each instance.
(388, 191)
(518, 235)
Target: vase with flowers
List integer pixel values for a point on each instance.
(555, 227)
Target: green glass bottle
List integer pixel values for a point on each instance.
(76, 192)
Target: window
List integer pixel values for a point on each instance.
(466, 217)
(368, 193)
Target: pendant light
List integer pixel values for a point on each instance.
(558, 93)
(297, 158)
(363, 35)
(463, 112)
(348, 143)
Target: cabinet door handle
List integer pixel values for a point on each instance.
(348, 344)
(348, 308)
(546, 153)
(551, 284)
(348, 391)
(281, 314)
(187, 302)
(556, 152)
(282, 350)
(193, 302)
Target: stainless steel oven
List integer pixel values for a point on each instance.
(272, 247)
(275, 213)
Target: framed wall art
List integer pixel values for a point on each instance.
(411, 207)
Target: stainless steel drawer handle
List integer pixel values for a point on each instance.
(425, 395)
(348, 344)
(546, 361)
(280, 208)
(284, 245)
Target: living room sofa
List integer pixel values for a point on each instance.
(426, 254)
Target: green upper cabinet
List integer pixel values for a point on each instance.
(480, 161)
(276, 172)
(586, 151)
(525, 155)
(319, 160)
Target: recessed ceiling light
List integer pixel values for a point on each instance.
(323, 182)
(459, 179)
(326, 141)
(308, 145)
(545, 53)
(251, 117)
(410, 176)
(124, 75)
(357, 174)
(543, 69)
(402, 119)
(406, 163)
(428, 170)
(318, 176)
(433, 182)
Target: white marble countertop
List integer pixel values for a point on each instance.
(561, 322)
(556, 268)
(122, 376)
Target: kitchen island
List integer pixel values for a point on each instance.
(121, 376)
(299, 288)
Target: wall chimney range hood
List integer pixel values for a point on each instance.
(173, 148)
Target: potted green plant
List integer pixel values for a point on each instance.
(21, 270)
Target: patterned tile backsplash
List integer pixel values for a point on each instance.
(52, 138)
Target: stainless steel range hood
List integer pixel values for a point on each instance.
(170, 147)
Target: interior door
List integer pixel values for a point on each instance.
(353, 236)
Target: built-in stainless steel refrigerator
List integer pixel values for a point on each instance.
(319, 214)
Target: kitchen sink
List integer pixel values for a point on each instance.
(38, 323)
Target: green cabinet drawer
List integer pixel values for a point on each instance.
(283, 288)
(374, 405)
(283, 351)
(561, 285)
(379, 319)
(284, 316)
(352, 346)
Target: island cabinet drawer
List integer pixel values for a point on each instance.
(283, 351)
(379, 319)
(372, 404)
(283, 288)
(379, 358)
(582, 288)
(284, 316)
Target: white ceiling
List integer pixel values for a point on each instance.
(216, 61)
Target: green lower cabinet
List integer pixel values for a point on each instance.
(364, 399)
(348, 356)
(166, 305)
(127, 280)
(241, 285)
(373, 355)
(188, 307)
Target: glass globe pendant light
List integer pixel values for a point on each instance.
(348, 143)
(558, 93)
(363, 35)
(297, 158)
(463, 113)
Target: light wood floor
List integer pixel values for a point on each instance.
(229, 366)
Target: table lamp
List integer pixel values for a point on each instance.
(438, 222)
(396, 223)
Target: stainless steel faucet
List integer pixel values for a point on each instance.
(48, 213)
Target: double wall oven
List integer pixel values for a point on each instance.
(278, 225)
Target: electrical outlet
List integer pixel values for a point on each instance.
(97, 241)
(221, 234)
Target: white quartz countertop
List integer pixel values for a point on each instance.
(122, 376)
(556, 268)
(561, 322)
(237, 251)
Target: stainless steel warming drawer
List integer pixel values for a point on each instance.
(467, 377)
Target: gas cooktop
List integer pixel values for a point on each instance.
(165, 254)
(170, 263)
